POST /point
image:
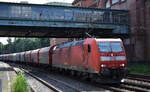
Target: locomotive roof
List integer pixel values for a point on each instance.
(110, 39)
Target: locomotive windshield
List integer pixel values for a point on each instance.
(110, 47)
(116, 47)
(104, 47)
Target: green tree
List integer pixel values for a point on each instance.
(24, 44)
(1, 48)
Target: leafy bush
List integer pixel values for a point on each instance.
(20, 84)
(140, 69)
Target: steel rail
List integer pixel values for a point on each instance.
(136, 84)
(61, 82)
(122, 88)
(144, 78)
(133, 88)
(139, 76)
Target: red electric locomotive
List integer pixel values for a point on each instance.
(103, 60)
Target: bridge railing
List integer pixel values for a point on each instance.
(49, 13)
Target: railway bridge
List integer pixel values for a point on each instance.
(34, 20)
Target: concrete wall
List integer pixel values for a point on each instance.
(147, 27)
(137, 34)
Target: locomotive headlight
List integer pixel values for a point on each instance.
(103, 65)
(122, 80)
(122, 65)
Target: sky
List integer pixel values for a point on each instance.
(38, 1)
(4, 39)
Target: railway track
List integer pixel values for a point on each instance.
(74, 87)
(67, 86)
(123, 88)
(63, 83)
(143, 78)
(51, 87)
(135, 87)
(127, 86)
(137, 83)
(111, 88)
(139, 76)
(140, 83)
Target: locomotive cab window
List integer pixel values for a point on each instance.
(110, 47)
(116, 47)
(104, 47)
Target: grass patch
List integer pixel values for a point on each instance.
(139, 69)
(20, 84)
